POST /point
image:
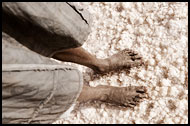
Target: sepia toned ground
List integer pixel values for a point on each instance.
(158, 32)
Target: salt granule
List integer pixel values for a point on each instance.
(173, 91)
(165, 82)
(151, 62)
(163, 91)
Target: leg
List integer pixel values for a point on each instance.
(123, 59)
(124, 96)
(93, 93)
(82, 57)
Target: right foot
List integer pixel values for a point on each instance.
(125, 96)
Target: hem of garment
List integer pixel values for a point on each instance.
(72, 106)
(13, 67)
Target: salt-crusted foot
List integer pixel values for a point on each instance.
(124, 59)
(126, 96)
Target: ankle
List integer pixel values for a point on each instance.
(102, 66)
(104, 92)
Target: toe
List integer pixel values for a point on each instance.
(131, 53)
(136, 57)
(127, 50)
(141, 89)
(142, 96)
(136, 63)
(137, 99)
(131, 105)
(135, 53)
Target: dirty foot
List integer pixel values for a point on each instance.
(124, 59)
(126, 96)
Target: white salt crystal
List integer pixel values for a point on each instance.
(105, 114)
(138, 121)
(141, 74)
(165, 82)
(154, 93)
(163, 91)
(173, 91)
(176, 120)
(180, 61)
(173, 71)
(151, 61)
(153, 113)
(168, 121)
(158, 57)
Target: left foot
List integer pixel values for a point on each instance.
(124, 59)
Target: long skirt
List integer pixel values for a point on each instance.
(36, 89)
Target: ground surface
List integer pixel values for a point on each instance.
(157, 31)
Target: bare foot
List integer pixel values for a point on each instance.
(124, 59)
(126, 96)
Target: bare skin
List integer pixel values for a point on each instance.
(124, 59)
(82, 57)
(124, 96)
